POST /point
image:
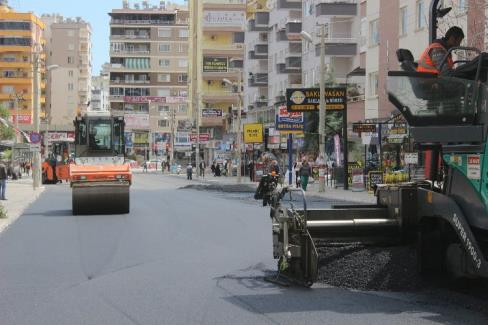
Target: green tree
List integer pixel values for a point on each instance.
(6, 132)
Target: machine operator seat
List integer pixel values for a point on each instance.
(406, 60)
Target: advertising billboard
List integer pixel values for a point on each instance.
(308, 99)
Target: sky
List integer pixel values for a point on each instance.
(93, 11)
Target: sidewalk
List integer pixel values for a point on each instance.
(20, 195)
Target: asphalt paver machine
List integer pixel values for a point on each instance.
(446, 216)
(100, 180)
(55, 167)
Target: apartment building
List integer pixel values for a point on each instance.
(100, 91)
(68, 47)
(218, 69)
(256, 80)
(149, 73)
(20, 37)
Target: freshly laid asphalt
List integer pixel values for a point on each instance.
(180, 257)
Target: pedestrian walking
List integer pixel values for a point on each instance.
(3, 180)
(251, 170)
(217, 170)
(189, 171)
(27, 168)
(202, 168)
(305, 172)
(212, 168)
(144, 167)
(298, 165)
(163, 164)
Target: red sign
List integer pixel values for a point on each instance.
(144, 99)
(204, 137)
(473, 160)
(22, 119)
(61, 136)
(284, 113)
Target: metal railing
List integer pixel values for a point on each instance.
(141, 22)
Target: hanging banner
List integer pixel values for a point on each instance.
(144, 99)
(337, 149)
(211, 113)
(308, 99)
(136, 121)
(253, 133)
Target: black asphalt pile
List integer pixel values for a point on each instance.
(373, 268)
(229, 188)
(363, 267)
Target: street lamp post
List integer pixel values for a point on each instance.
(48, 114)
(16, 98)
(322, 109)
(36, 168)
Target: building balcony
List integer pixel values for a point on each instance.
(283, 35)
(289, 4)
(282, 68)
(21, 80)
(116, 98)
(293, 62)
(223, 49)
(261, 49)
(295, 48)
(253, 56)
(16, 64)
(228, 4)
(258, 80)
(129, 82)
(222, 96)
(280, 98)
(128, 53)
(129, 36)
(261, 102)
(336, 8)
(144, 22)
(339, 47)
(252, 27)
(15, 48)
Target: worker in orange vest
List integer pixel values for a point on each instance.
(432, 57)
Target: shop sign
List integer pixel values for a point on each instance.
(350, 167)
(374, 178)
(144, 99)
(128, 139)
(223, 18)
(363, 128)
(182, 139)
(253, 133)
(289, 121)
(61, 136)
(474, 167)
(308, 99)
(211, 113)
(214, 64)
(136, 121)
(141, 138)
(204, 137)
(176, 99)
(22, 119)
(411, 158)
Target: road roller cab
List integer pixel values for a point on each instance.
(99, 178)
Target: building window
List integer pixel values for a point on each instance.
(183, 63)
(71, 60)
(373, 84)
(8, 89)
(164, 32)
(164, 77)
(164, 47)
(374, 33)
(164, 63)
(462, 5)
(70, 73)
(163, 123)
(163, 92)
(420, 17)
(71, 47)
(403, 21)
(183, 33)
(70, 86)
(183, 78)
(363, 35)
(182, 108)
(163, 109)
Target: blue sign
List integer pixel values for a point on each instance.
(128, 139)
(289, 121)
(35, 137)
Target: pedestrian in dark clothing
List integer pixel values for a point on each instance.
(213, 168)
(202, 168)
(251, 170)
(3, 180)
(189, 172)
(305, 172)
(144, 167)
(217, 170)
(27, 168)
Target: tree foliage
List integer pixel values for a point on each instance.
(6, 132)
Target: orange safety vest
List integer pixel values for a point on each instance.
(425, 63)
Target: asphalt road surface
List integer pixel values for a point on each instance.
(180, 257)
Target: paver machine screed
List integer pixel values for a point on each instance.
(446, 216)
(100, 180)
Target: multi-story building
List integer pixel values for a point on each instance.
(256, 62)
(219, 63)
(149, 73)
(20, 38)
(100, 91)
(68, 47)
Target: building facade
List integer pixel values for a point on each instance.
(100, 92)
(20, 38)
(218, 71)
(149, 74)
(68, 48)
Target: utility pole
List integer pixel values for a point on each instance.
(17, 97)
(195, 73)
(239, 129)
(322, 112)
(36, 170)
